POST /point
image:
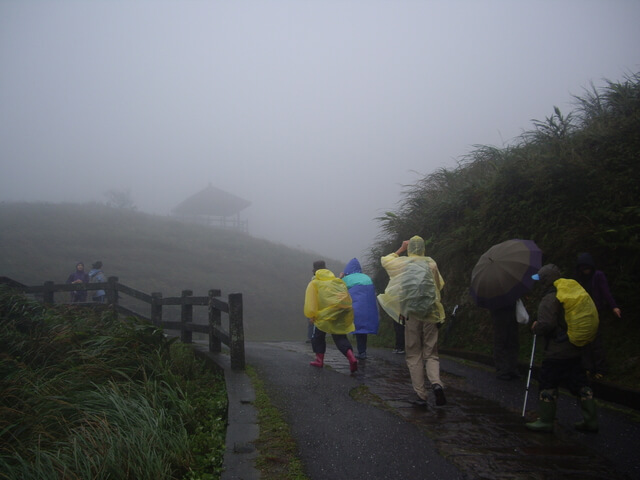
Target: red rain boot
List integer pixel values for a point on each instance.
(319, 361)
(353, 363)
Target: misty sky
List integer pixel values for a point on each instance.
(315, 111)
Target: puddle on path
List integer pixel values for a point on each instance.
(482, 438)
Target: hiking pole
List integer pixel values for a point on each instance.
(526, 393)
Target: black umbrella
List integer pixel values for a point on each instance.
(503, 273)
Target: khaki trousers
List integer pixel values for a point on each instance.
(421, 353)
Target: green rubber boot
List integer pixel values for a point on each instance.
(547, 415)
(589, 411)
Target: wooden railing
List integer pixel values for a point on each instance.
(233, 338)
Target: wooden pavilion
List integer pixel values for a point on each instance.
(215, 207)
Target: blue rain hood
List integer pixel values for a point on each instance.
(363, 294)
(353, 267)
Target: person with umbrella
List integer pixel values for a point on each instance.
(506, 343)
(499, 279)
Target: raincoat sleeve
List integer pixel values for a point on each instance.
(392, 264)
(548, 314)
(311, 301)
(389, 300)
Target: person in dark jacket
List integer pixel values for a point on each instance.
(79, 276)
(365, 304)
(562, 360)
(596, 284)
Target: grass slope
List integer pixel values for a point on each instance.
(40, 242)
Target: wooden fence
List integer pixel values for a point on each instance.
(234, 338)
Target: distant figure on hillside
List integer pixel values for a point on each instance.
(596, 284)
(97, 276)
(412, 297)
(79, 276)
(365, 305)
(328, 305)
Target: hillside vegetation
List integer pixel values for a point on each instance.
(571, 184)
(41, 241)
(85, 394)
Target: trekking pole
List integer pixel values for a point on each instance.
(526, 393)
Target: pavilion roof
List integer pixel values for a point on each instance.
(213, 202)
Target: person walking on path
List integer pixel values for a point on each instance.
(412, 297)
(596, 284)
(562, 360)
(505, 342)
(365, 305)
(97, 276)
(328, 305)
(79, 276)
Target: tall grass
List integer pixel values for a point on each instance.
(87, 395)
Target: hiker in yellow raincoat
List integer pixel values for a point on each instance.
(412, 297)
(328, 305)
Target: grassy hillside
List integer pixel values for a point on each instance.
(40, 242)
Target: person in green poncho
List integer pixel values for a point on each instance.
(328, 305)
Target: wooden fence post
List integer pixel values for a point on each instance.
(112, 291)
(186, 316)
(47, 294)
(215, 320)
(236, 331)
(156, 308)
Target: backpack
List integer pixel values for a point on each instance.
(580, 312)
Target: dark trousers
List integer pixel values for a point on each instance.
(593, 355)
(505, 341)
(319, 342)
(399, 331)
(361, 340)
(567, 372)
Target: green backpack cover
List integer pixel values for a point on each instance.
(580, 312)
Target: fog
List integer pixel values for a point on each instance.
(317, 112)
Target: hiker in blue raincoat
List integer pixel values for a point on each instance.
(365, 304)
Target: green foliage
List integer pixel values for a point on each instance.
(571, 185)
(87, 395)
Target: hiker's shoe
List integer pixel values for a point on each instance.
(398, 350)
(361, 356)
(438, 391)
(417, 401)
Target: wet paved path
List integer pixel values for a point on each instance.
(480, 431)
